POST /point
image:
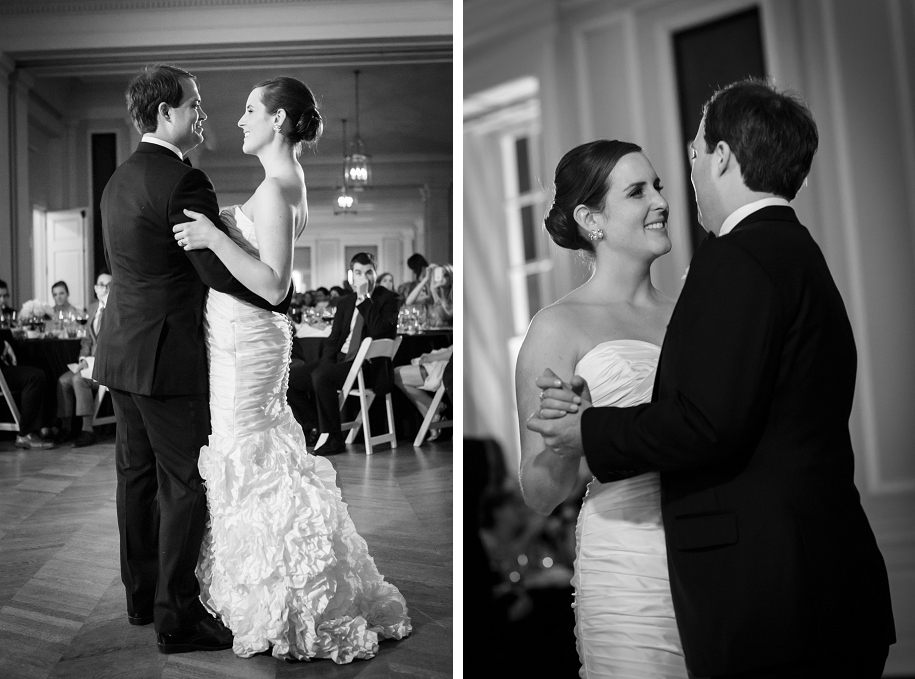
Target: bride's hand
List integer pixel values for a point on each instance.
(558, 398)
(198, 234)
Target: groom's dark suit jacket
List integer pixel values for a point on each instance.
(771, 556)
(151, 342)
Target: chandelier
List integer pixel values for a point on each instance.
(357, 172)
(344, 203)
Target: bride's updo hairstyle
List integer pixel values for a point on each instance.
(304, 122)
(582, 178)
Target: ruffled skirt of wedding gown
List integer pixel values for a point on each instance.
(625, 624)
(281, 563)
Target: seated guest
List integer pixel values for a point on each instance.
(29, 382)
(61, 294)
(422, 376)
(441, 311)
(370, 312)
(438, 281)
(386, 280)
(7, 312)
(308, 299)
(322, 297)
(75, 392)
(336, 293)
(418, 265)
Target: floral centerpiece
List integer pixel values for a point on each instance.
(33, 315)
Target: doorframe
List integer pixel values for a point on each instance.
(40, 279)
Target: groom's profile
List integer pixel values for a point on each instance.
(152, 356)
(774, 568)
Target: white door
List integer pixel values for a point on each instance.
(66, 246)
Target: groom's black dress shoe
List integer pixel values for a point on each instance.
(333, 445)
(311, 437)
(140, 619)
(207, 635)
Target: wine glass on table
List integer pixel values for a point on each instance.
(82, 318)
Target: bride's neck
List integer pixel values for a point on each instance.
(617, 278)
(278, 161)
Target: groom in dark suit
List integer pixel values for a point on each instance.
(151, 355)
(774, 569)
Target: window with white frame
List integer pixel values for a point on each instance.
(530, 267)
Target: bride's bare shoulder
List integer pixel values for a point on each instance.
(555, 331)
(560, 314)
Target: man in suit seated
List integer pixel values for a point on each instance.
(370, 312)
(74, 392)
(6, 305)
(27, 380)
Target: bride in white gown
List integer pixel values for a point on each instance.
(281, 563)
(608, 204)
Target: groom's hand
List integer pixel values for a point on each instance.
(560, 422)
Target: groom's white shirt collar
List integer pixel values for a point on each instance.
(745, 211)
(148, 138)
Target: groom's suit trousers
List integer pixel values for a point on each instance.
(161, 504)
(859, 663)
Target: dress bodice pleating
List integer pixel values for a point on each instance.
(625, 622)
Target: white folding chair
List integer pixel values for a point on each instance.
(427, 421)
(8, 396)
(379, 348)
(99, 398)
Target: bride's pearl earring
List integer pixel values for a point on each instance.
(595, 235)
(276, 127)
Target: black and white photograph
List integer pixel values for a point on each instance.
(227, 317)
(689, 262)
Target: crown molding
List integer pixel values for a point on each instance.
(9, 7)
(226, 57)
(180, 25)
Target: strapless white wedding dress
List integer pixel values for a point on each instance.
(624, 615)
(281, 563)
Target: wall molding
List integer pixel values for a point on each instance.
(906, 96)
(836, 95)
(76, 6)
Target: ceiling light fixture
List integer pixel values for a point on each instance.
(344, 203)
(357, 172)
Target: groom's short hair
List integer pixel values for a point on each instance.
(156, 84)
(362, 258)
(772, 134)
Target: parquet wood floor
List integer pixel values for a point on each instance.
(62, 611)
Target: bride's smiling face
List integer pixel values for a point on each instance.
(256, 123)
(635, 213)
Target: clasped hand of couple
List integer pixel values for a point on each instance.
(558, 419)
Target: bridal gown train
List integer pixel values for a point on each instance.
(281, 564)
(624, 616)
